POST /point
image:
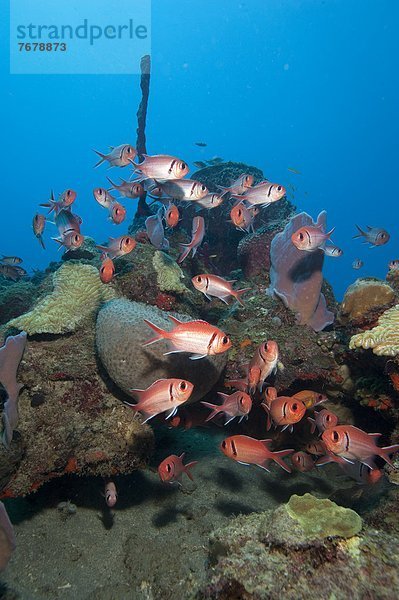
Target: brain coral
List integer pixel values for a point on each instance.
(384, 338)
(77, 294)
(120, 333)
(168, 273)
(364, 297)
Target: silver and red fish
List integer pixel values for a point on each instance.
(117, 213)
(375, 236)
(172, 468)
(310, 238)
(209, 201)
(107, 270)
(172, 215)
(119, 246)
(249, 451)
(110, 493)
(234, 405)
(243, 217)
(302, 461)
(120, 156)
(164, 395)
(13, 272)
(68, 226)
(128, 189)
(393, 265)
(11, 260)
(197, 337)
(332, 251)
(155, 230)
(322, 420)
(310, 398)
(65, 200)
(239, 186)
(262, 194)
(213, 285)
(198, 234)
(354, 444)
(103, 197)
(184, 189)
(357, 264)
(162, 167)
(284, 412)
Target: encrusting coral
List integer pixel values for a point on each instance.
(384, 338)
(168, 272)
(363, 298)
(78, 292)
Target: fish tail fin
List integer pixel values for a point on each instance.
(238, 293)
(102, 158)
(278, 458)
(112, 183)
(161, 333)
(360, 234)
(313, 425)
(189, 466)
(40, 238)
(240, 384)
(214, 408)
(386, 451)
(184, 252)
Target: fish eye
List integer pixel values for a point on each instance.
(203, 188)
(239, 212)
(183, 165)
(183, 385)
(335, 436)
(301, 236)
(225, 340)
(199, 279)
(168, 468)
(129, 149)
(295, 407)
(279, 188)
(320, 396)
(224, 444)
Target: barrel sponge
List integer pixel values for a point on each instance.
(77, 295)
(120, 334)
(321, 518)
(168, 273)
(384, 338)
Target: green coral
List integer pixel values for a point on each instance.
(77, 294)
(168, 273)
(321, 518)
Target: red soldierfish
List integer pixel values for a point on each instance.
(184, 189)
(171, 215)
(310, 238)
(13, 272)
(68, 226)
(128, 189)
(310, 398)
(119, 246)
(263, 194)
(65, 200)
(11, 260)
(302, 462)
(70, 241)
(110, 493)
(322, 421)
(234, 405)
(198, 337)
(103, 197)
(210, 201)
(117, 213)
(362, 473)
(374, 236)
(243, 217)
(239, 186)
(351, 443)
(317, 448)
(262, 365)
(162, 166)
(164, 395)
(198, 233)
(332, 251)
(212, 285)
(172, 468)
(284, 411)
(107, 270)
(39, 223)
(248, 451)
(120, 156)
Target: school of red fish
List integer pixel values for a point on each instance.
(163, 178)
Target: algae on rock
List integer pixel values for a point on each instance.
(168, 272)
(77, 295)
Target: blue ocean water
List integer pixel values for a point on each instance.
(307, 84)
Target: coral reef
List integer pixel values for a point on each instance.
(268, 556)
(120, 333)
(70, 418)
(321, 518)
(16, 299)
(365, 300)
(77, 294)
(384, 338)
(169, 274)
(254, 253)
(296, 276)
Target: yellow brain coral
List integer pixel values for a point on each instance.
(384, 338)
(77, 294)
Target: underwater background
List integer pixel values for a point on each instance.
(190, 410)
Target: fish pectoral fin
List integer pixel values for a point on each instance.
(197, 356)
(228, 420)
(263, 467)
(243, 463)
(171, 413)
